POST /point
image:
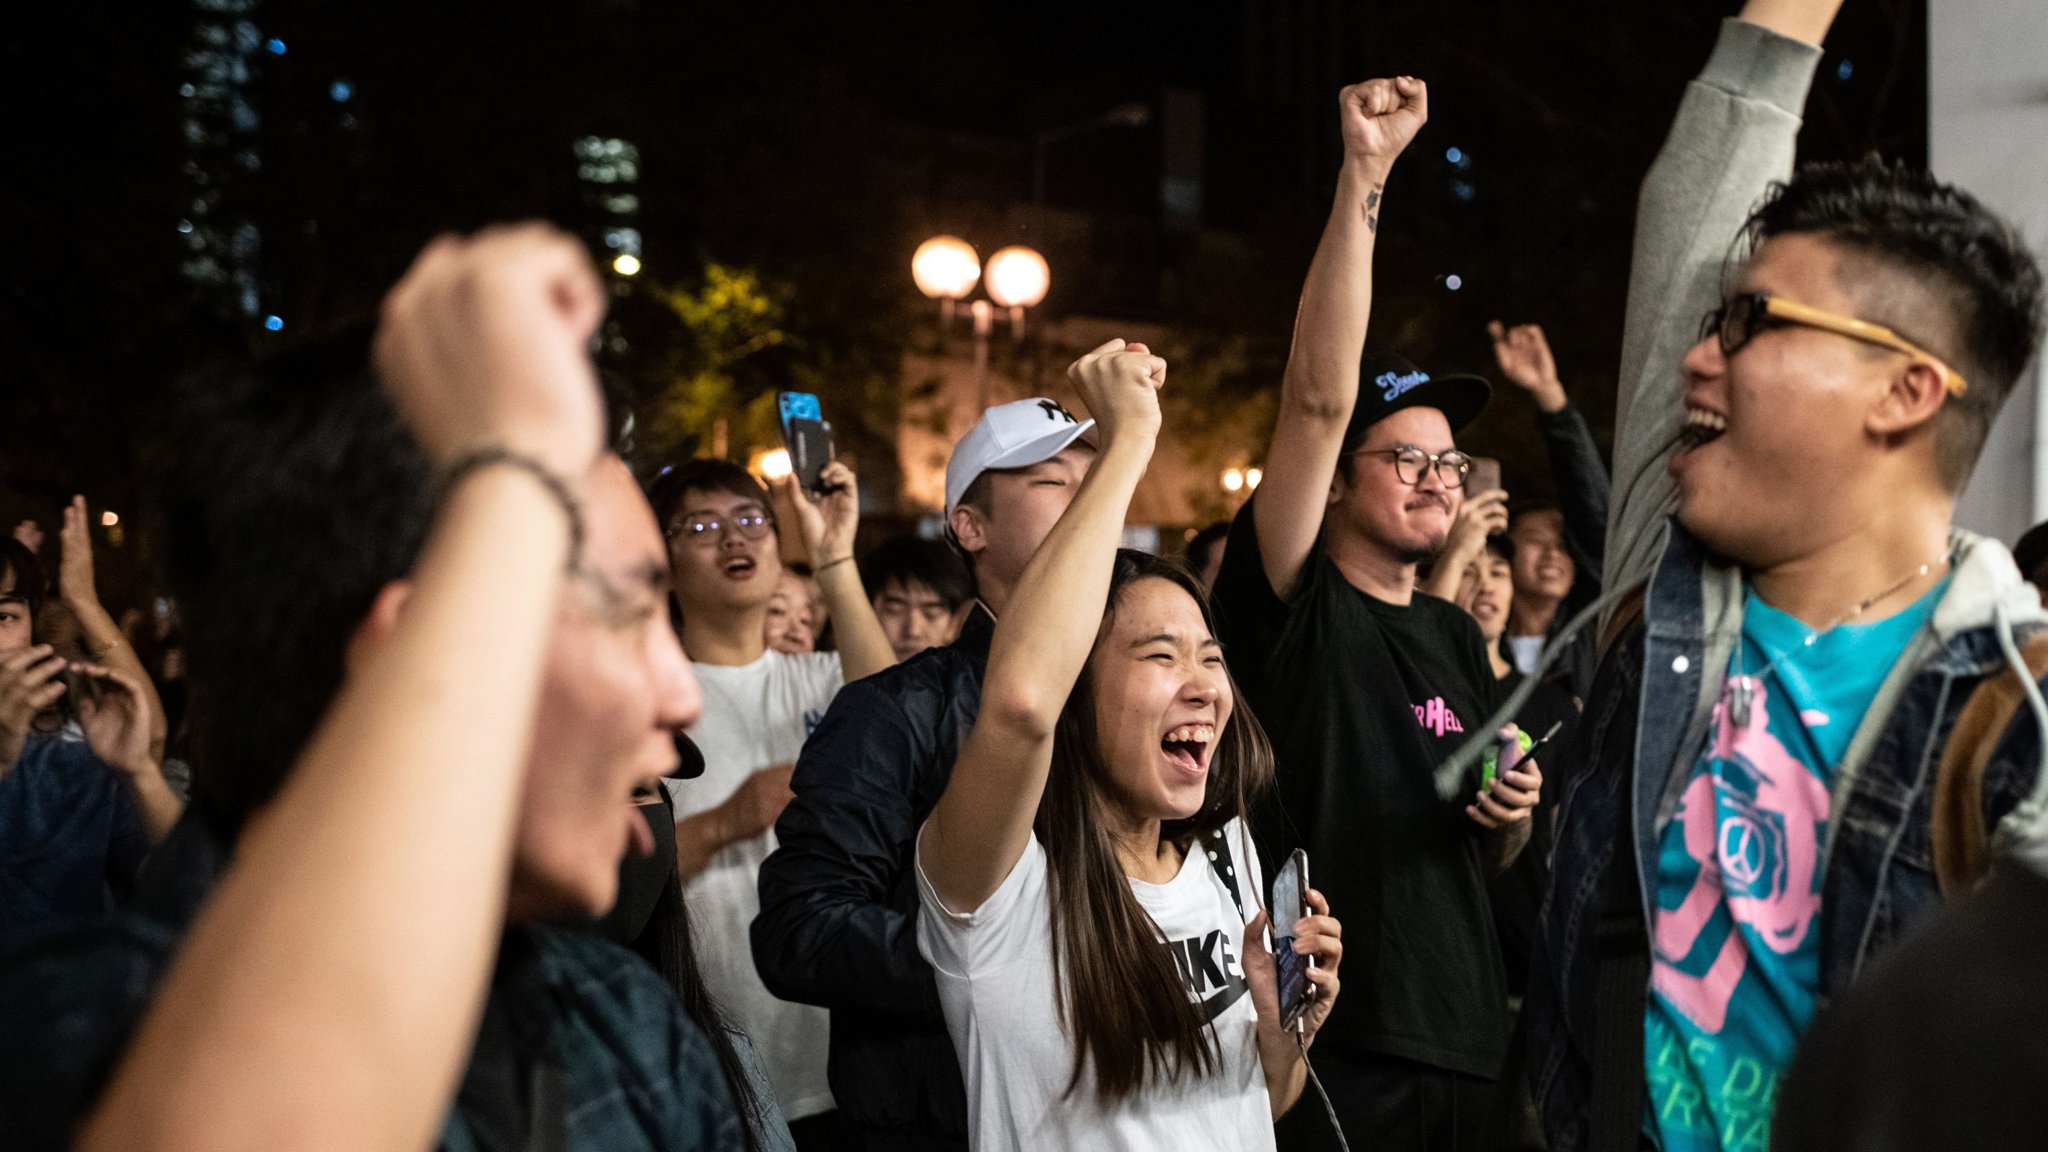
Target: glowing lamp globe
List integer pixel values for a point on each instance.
(1018, 277)
(773, 465)
(945, 268)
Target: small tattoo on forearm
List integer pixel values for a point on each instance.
(1372, 203)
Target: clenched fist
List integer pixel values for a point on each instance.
(1120, 384)
(485, 342)
(1380, 117)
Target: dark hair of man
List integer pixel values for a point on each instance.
(668, 943)
(26, 573)
(1907, 239)
(1204, 545)
(910, 561)
(1522, 509)
(295, 496)
(1501, 545)
(1118, 987)
(703, 475)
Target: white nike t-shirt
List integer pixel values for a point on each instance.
(755, 715)
(996, 984)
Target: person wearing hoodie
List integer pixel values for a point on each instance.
(1746, 806)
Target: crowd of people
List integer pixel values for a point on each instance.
(509, 801)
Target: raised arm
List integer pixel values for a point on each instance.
(78, 585)
(1576, 469)
(1320, 387)
(331, 987)
(829, 525)
(1733, 136)
(982, 823)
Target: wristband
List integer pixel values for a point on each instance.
(476, 460)
(832, 564)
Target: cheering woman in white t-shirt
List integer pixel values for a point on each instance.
(1101, 959)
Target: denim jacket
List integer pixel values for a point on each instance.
(1645, 726)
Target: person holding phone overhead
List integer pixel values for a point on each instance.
(760, 705)
(1088, 887)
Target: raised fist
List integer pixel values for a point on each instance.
(30, 534)
(1524, 358)
(1120, 384)
(1380, 117)
(486, 342)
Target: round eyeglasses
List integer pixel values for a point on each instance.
(1411, 462)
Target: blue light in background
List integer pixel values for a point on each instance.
(1846, 69)
(1454, 281)
(274, 323)
(276, 46)
(341, 90)
(1463, 190)
(1455, 156)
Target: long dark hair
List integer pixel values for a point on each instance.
(668, 943)
(1120, 993)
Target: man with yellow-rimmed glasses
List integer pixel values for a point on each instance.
(1746, 808)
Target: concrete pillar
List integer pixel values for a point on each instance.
(1987, 81)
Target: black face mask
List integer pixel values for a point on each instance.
(642, 879)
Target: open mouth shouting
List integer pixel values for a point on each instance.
(1187, 747)
(738, 567)
(1702, 426)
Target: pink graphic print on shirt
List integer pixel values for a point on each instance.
(1436, 716)
(1753, 829)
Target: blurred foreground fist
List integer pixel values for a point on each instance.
(485, 342)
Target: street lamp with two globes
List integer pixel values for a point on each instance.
(947, 268)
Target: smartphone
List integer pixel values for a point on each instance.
(1485, 476)
(808, 438)
(80, 692)
(1290, 904)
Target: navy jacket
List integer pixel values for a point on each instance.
(838, 922)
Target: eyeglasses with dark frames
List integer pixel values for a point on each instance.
(1411, 462)
(1740, 318)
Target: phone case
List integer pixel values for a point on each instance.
(807, 436)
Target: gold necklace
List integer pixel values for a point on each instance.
(1742, 686)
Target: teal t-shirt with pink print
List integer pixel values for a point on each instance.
(1736, 939)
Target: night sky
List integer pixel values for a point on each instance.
(815, 145)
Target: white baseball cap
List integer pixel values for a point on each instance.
(1014, 435)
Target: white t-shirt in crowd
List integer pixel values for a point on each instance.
(1527, 651)
(755, 715)
(996, 984)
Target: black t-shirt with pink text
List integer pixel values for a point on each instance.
(1363, 699)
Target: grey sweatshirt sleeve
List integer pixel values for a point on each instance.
(1732, 137)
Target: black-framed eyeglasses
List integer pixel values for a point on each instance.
(751, 522)
(1411, 462)
(1739, 318)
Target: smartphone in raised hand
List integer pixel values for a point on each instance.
(807, 436)
(1289, 906)
(1485, 477)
